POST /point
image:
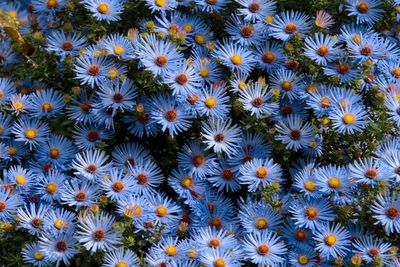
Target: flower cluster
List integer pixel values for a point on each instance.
(186, 133)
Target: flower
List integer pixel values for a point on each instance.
(118, 185)
(91, 164)
(295, 133)
(288, 23)
(254, 10)
(46, 103)
(368, 171)
(108, 10)
(348, 119)
(302, 257)
(128, 154)
(79, 193)
(264, 248)
(9, 204)
(213, 102)
(183, 79)
(287, 82)
(120, 257)
(332, 241)
(269, 55)
(92, 70)
(387, 212)
(31, 219)
(244, 32)
(64, 45)
(222, 136)
(118, 45)
(30, 131)
(367, 11)
(323, 19)
(32, 255)
(59, 220)
(96, 232)
(372, 249)
(58, 247)
(255, 98)
(321, 48)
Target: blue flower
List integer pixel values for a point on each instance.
(166, 211)
(7, 54)
(206, 67)
(220, 257)
(59, 220)
(332, 241)
(234, 56)
(57, 150)
(108, 10)
(288, 83)
(343, 69)
(96, 232)
(117, 185)
(366, 47)
(30, 131)
(298, 237)
(213, 102)
(211, 6)
(161, 6)
(183, 79)
(19, 103)
(302, 257)
(221, 135)
(208, 238)
(393, 105)
(157, 56)
(367, 11)
(32, 255)
(224, 176)
(31, 219)
(6, 90)
(137, 208)
(386, 211)
(255, 99)
(171, 116)
(288, 23)
(5, 126)
(368, 171)
(349, 119)
(321, 48)
(46, 103)
(22, 178)
(243, 32)
(64, 45)
(9, 204)
(332, 179)
(117, 95)
(188, 187)
(92, 70)
(306, 183)
(168, 248)
(391, 161)
(258, 217)
(91, 164)
(254, 10)
(147, 175)
(58, 247)
(81, 109)
(295, 133)
(260, 173)
(48, 6)
(270, 55)
(264, 248)
(49, 186)
(120, 257)
(79, 193)
(311, 213)
(128, 154)
(118, 45)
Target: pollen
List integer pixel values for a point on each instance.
(290, 28)
(20, 179)
(330, 240)
(118, 98)
(85, 107)
(119, 49)
(52, 188)
(269, 57)
(258, 102)
(269, 19)
(362, 7)
(343, 67)
(325, 102)
(122, 264)
(171, 115)
(204, 72)
(349, 118)
(287, 85)
(242, 85)
(261, 223)
(54, 153)
(12, 150)
(118, 186)
(192, 254)
(18, 105)
(254, 7)
(392, 212)
(295, 134)
(302, 259)
(200, 39)
(236, 59)
(228, 175)
(311, 213)
(219, 137)
(215, 243)
(161, 211)
(80, 196)
(133, 211)
(47, 107)
(38, 256)
(99, 234)
(160, 3)
(142, 178)
(112, 73)
(52, 4)
(60, 223)
(261, 172)
(103, 8)
(366, 50)
(263, 249)
(210, 102)
(187, 182)
(67, 45)
(300, 235)
(182, 78)
(94, 69)
(247, 31)
(215, 222)
(396, 72)
(334, 182)
(323, 50)
(161, 60)
(3, 206)
(220, 262)
(310, 186)
(188, 28)
(373, 252)
(61, 245)
(171, 250)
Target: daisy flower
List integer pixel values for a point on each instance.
(288, 23)
(65, 44)
(269, 56)
(343, 69)
(372, 249)
(166, 211)
(96, 232)
(211, 6)
(288, 83)
(48, 186)
(120, 258)
(386, 211)
(188, 187)
(128, 154)
(22, 178)
(31, 218)
(298, 237)
(19, 103)
(162, 6)
(368, 171)
(118, 45)
(58, 247)
(48, 6)
(208, 238)
(59, 220)
(260, 173)
(108, 10)
(57, 150)
(137, 208)
(220, 258)
(254, 10)
(79, 193)
(222, 136)
(332, 179)
(256, 98)
(225, 177)
(117, 184)
(147, 176)
(323, 19)
(295, 133)
(46, 103)
(31, 254)
(91, 164)
(349, 119)
(9, 204)
(264, 248)
(92, 70)
(367, 11)
(321, 48)
(213, 102)
(302, 257)
(243, 32)
(5, 126)
(234, 56)
(6, 90)
(183, 79)
(332, 241)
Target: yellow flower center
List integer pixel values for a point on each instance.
(334, 182)
(303, 259)
(269, 19)
(52, 4)
(188, 28)
(119, 49)
(311, 213)
(112, 73)
(47, 107)
(323, 50)
(325, 102)
(160, 3)
(20, 179)
(161, 211)
(261, 172)
(38, 256)
(30, 133)
(200, 39)
(286, 85)
(133, 211)
(54, 152)
(261, 223)
(236, 59)
(187, 182)
(310, 185)
(330, 240)
(18, 105)
(51, 188)
(356, 38)
(220, 262)
(349, 118)
(12, 150)
(192, 253)
(242, 85)
(204, 72)
(122, 264)
(103, 8)
(171, 250)
(211, 102)
(60, 224)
